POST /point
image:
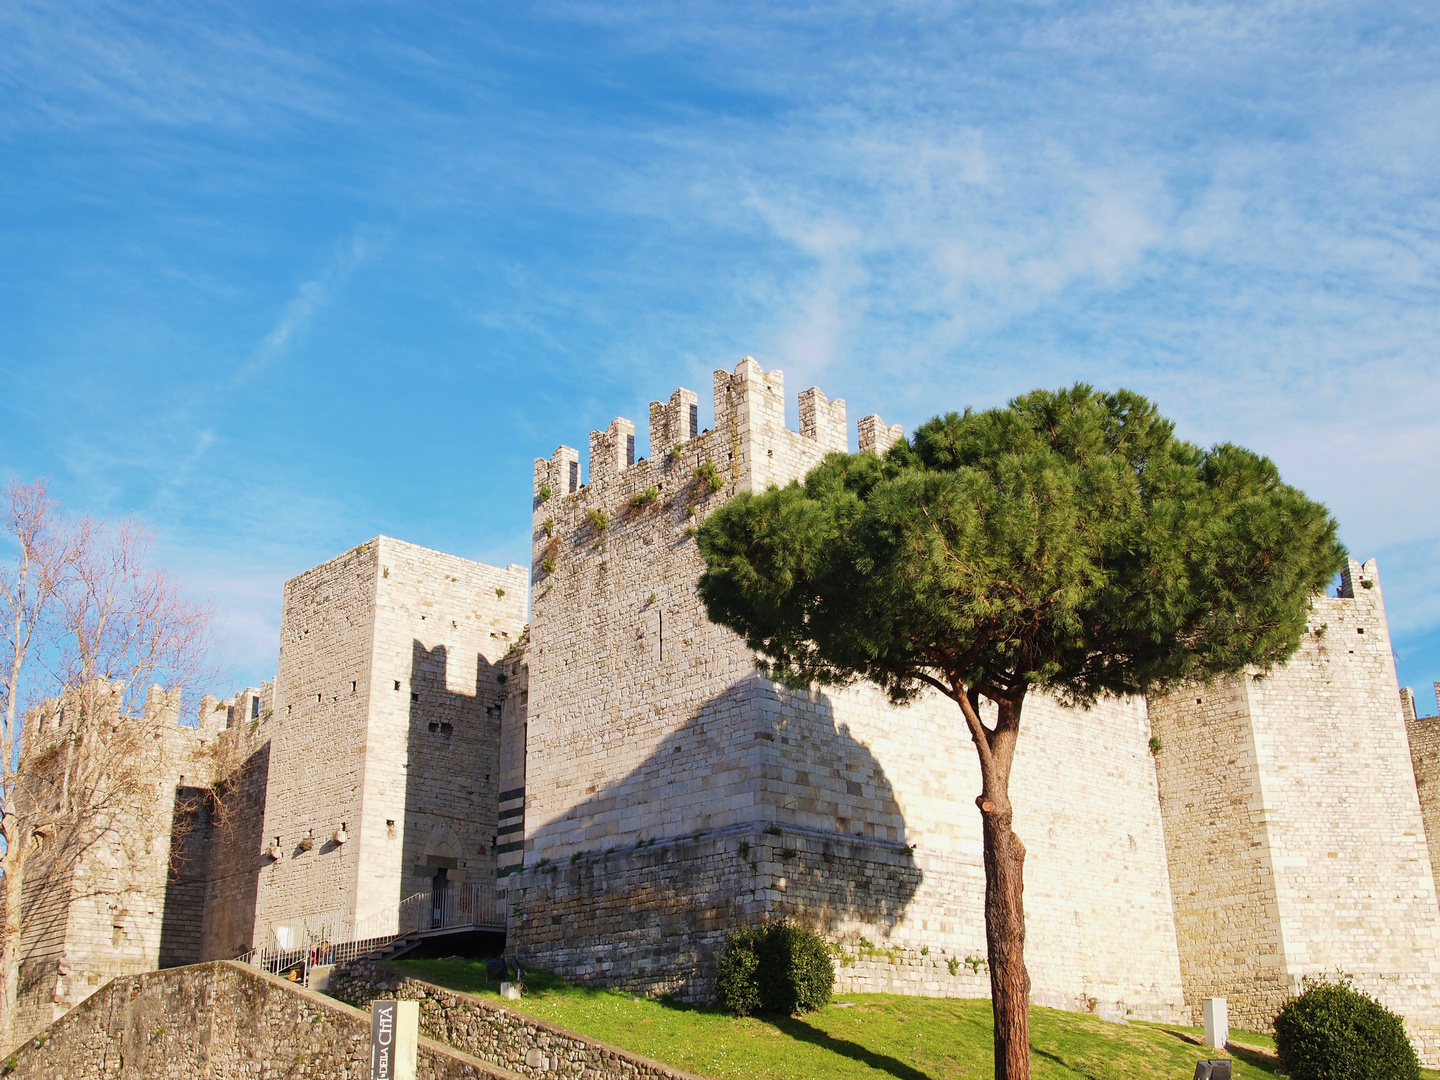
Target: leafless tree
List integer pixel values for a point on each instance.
(98, 647)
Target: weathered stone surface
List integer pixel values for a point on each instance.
(529, 1046)
(388, 703)
(649, 726)
(220, 1020)
(1296, 839)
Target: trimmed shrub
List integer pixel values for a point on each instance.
(737, 983)
(1334, 1032)
(775, 968)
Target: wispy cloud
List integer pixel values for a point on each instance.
(311, 297)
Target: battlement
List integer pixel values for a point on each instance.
(749, 445)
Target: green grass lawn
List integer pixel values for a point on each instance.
(861, 1035)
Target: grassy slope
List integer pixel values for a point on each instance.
(904, 1037)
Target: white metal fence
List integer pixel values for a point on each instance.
(296, 945)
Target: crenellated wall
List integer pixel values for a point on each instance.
(666, 781)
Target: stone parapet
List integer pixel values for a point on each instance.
(510, 1039)
(220, 1020)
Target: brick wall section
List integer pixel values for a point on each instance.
(1309, 766)
(224, 1021)
(509, 1039)
(647, 722)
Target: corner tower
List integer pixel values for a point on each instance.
(384, 763)
(1294, 827)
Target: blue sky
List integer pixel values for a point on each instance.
(280, 277)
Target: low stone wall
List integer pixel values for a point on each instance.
(529, 1046)
(220, 1020)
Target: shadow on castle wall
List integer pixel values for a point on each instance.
(761, 806)
(451, 785)
(213, 879)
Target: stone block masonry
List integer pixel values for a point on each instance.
(134, 897)
(649, 726)
(221, 1020)
(1297, 844)
(384, 771)
(509, 1039)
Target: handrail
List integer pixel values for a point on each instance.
(309, 938)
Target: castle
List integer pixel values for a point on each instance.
(634, 788)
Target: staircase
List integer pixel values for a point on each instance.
(296, 945)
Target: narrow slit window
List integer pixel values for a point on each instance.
(694, 420)
(629, 450)
(574, 476)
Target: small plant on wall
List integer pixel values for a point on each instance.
(599, 519)
(642, 499)
(709, 476)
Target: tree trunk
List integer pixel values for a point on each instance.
(1005, 941)
(14, 867)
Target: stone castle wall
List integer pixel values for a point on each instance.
(1297, 843)
(650, 724)
(386, 734)
(317, 741)
(1424, 737)
(443, 625)
(129, 895)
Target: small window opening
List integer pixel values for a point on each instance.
(694, 420)
(434, 725)
(1360, 630)
(254, 708)
(318, 697)
(353, 683)
(414, 697)
(574, 476)
(447, 729)
(397, 684)
(629, 450)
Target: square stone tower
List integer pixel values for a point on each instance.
(672, 793)
(1296, 841)
(384, 757)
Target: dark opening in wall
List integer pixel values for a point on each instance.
(629, 450)
(397, 684)
(414, 697)
(353, 684)
(574, 476)
(254, 708)
(318, 697)
(694, 420)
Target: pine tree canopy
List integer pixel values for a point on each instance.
(1068, 542)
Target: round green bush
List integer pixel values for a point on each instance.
(738, 983)
(1334, 1032)
(775, 968)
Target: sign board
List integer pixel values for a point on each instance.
(394, 1039)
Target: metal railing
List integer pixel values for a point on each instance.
(297, 945)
